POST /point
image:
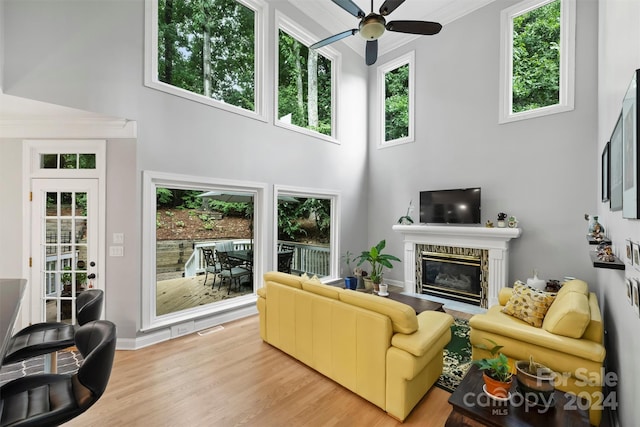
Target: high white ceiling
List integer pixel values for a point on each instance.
(336, 20)
(329, 15)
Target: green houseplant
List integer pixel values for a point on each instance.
(497, 372)
(378, 261)
(350, 281)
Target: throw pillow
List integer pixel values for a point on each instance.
(528, 304)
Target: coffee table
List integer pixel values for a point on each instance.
(473, 407)
(418, 304)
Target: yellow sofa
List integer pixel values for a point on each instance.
(570, 340)
(377, 348)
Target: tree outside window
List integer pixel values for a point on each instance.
(396, 104)
(304, 86)
(208, 47)
(536, 58)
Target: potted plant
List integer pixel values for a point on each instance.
(350, 282)
(497, 372)
(378, 261)
(535, 381)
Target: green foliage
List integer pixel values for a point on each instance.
(536, 58)
(294, 81)
(179, 223)
(396, 106)
(348, 258)
(164, 196)
(291, 214)
(231, 209)
(377, 260)
(207, 47)
(498, 366)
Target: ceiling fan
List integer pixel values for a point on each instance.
(373, 25)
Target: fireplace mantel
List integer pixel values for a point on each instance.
(494, 240)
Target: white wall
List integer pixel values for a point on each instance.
(89, 55)
(542, 170)
(619, 56)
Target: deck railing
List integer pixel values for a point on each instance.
(310, 259)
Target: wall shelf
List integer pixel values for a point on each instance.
(593, 241)
(614, 265)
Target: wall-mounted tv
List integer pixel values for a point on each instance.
(457, 206)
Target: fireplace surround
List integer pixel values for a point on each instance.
(495, 241)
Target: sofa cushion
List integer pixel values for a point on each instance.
(283, 278)
(317, 287)
(528, 304)
(569, 315)
(403, 318)
(575, 285)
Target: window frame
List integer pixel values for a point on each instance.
(151, 181)
(284, 23)
(334, 196)
(406, 59)
(567, 60)
(151, 80)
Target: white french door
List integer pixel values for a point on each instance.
(65, 239)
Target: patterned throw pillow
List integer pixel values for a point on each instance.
(528, 304)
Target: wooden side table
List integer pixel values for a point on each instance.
(473, 407)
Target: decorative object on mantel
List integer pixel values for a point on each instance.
(488, 224)
(501, 220)
(512, 222)
(406, 220)
(378, 261)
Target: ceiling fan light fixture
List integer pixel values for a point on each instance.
(372, 27)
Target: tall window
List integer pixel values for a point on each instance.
(307, 224)
(305, 82)
(538, 40)
(396, 89)
(207, 50)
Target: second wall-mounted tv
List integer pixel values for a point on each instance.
(456, 206)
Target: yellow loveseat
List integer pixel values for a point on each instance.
(373, 346)
(570, 340)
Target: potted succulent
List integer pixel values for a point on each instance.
(497, 373)
(378, 261)
(350, 282)
(535, 382)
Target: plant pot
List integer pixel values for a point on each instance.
(351, 282)
(376, 287)
(368, 284)
(496, 388)
(538, 386)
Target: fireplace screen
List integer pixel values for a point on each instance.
(452, 276)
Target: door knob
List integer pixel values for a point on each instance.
(91, 276)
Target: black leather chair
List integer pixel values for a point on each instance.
(53, 399)
(49, 337)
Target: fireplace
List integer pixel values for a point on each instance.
(454, 273)
(490, 244)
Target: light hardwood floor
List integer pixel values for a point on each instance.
(231, 378)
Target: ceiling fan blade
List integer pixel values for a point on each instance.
(415, 27)
(350, 7)
(371, 55)
(332, 39)
(389, 6)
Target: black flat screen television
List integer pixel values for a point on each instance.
(457, 206)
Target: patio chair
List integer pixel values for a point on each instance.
(53, 399)
(285, 260)
(212, 265)
(228, 246)
(231, 272)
